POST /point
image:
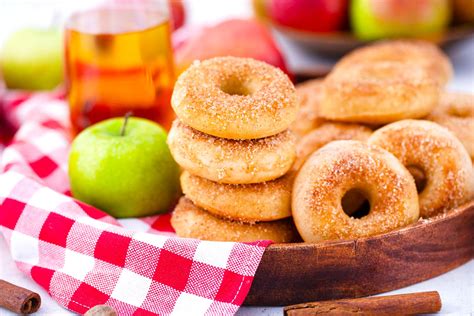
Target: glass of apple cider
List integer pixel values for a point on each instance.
(118, 59)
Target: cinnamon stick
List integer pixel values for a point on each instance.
(17, 299)
(402, 304)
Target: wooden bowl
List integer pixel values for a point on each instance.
(296, 273)
(340, 43)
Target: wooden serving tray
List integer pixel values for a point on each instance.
(302, 272)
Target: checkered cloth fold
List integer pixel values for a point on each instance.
(82, 256)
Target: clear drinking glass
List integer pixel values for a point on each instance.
(118, 58)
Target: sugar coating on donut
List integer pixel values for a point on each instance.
(231, 161)
(190, 221)
(309, 95)
(339, 167)
(412, 52)
(376, 93)
(326, 133)
(265, 201)
(236, 98)
(456, 112)
(439, 154)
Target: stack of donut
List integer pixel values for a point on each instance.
(232, 141)
(414, 164)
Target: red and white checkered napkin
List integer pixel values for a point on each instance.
(84, 257)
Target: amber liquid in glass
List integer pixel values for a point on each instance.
(117, 62)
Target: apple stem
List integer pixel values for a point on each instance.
(125, 121)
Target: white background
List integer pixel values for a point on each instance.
(456, 287)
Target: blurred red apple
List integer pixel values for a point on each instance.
(310, 15)
(240, 38)
(177, 13)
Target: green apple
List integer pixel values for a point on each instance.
(124, 168)
(375, 19)
(32, 59)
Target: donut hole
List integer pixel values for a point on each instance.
(355, 203)
(458, 112)
(419, 176)
(235, 86)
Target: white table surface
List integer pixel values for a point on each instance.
(455, 287)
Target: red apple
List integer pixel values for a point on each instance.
(310, 15)
(177, 13)
(240, 38)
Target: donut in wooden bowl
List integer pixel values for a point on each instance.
(255, 202)
(439, 154)
(366, 265)
(342, 166)
(379, 93)
(309, 96)
(404, 250)
(305, 272)
(236, 98)
(326, 133)
(191, 221)
(426, 54)
(231, 161)
(456, 112)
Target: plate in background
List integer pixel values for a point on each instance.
(340, 43)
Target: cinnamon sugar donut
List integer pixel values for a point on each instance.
(307, 118)
(236, 98)
(345, 165)
(326, 133)
(456, 113)
(377, 93)
(439, 154)
(413, 52)
(266, 201)
(231, 161)
(190, 221)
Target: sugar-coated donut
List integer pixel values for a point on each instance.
(377, 93)
(456, 113)
(326, 133)
(339, 167)
(413, 52)
(266, 201)
(419, 176)
(231, 161)
(308, 94)
(190, 221)
(439, 154)
(236, 98)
